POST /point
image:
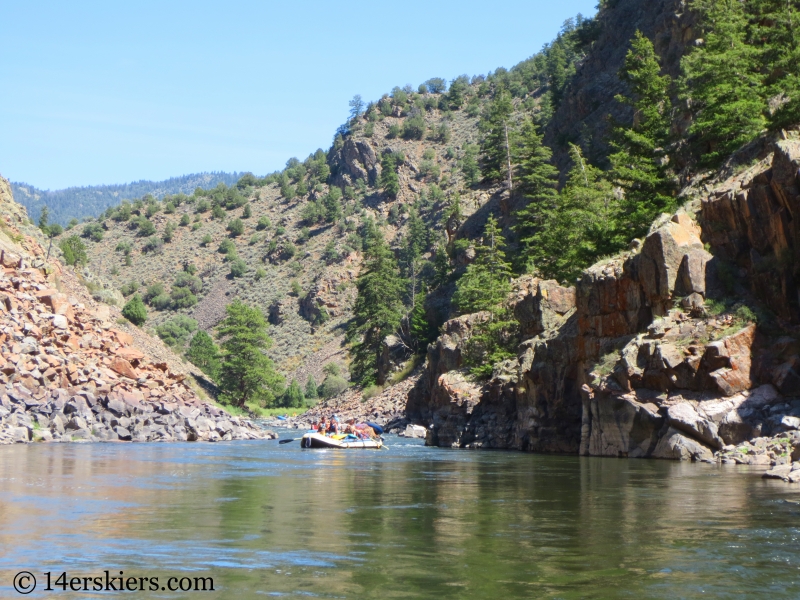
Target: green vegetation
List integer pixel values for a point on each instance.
(246, 374)
(378, 308)
(484, 287)
(74, 251)
(135, 310)
(176, 331)
(204, 354)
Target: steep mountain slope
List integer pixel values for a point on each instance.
(323, 258)
(89, 201)
(69, 372)
(656, 352)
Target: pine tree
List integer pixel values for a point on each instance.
(44, 218)
(311, 388)
(74, 251)
(486, 282)
(581, 227)
(638, 158)
(775, 29)
(721, 80)
(204, 354)
(389, 180)
(293, 396)
(377, 311)
(485, 287)
(497, 138)
(422, 332)
(135, 310)
(537, 180)
(247, 374)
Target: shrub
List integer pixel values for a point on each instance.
(135, 311)
(394, 131)
(371, 391)
(296, 289)
(154, 290)
(333, 386)
(169, 229)
(177, 330)
(218, 212)
(202, 206)
(414, 128)
(161, 302)
(182, 297)
(247, 212)
(238, 268)
(263, 223)
(236, 227)
(129, 288)
(185, 220)
(146, 228)
(305, 233)
(207, 239)
(226, 246)
(93, 231)
(187, 280)
(74, 251)
(260, 274)
(153, 244)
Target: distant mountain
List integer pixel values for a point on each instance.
(90, 201)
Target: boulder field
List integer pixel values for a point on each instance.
(70, 373)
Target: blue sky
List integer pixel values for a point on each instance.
(110, 92)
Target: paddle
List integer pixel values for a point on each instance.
(290, 440)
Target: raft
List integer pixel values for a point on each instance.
(312, 439)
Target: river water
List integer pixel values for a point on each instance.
(265, 519)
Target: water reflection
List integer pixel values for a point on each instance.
(413, 522)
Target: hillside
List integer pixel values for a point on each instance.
(558, 225)
(72, 370)
(90, 201)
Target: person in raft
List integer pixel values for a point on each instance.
(322, 426)
(361, 430)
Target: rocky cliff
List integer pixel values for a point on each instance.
(583, 116)
(71, 369)
(656, 352)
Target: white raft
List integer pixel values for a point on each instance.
(315, 440)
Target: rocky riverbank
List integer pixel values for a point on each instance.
(72, 370)
(387, 408)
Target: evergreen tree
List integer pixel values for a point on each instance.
(311, 388)
(135, 310)
(486, 282)
(485, 287)
(776, 29)
(497, 137)
(377, 311)
(581, 227)
(204, 354)
(537, 180)
(74, 251)
(247, 374)
(389, 180)
(293, 396)
(722, 81)
(422, 332)
(638, 158)
(44, 218)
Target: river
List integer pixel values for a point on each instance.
(264, 519)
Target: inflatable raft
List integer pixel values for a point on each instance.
(312, 439)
